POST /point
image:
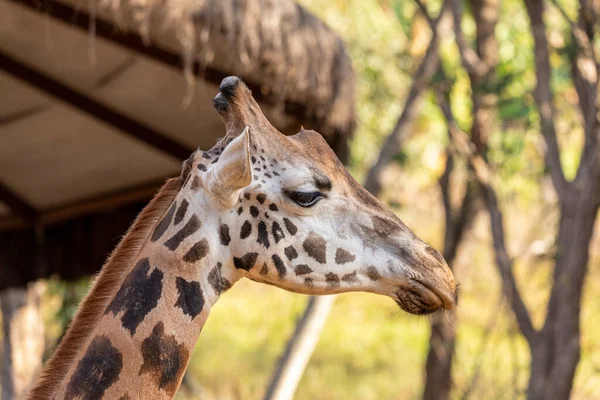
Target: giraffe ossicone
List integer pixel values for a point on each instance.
(275, 209)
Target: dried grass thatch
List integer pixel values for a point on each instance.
(289, 53)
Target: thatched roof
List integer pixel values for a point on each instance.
(95, 111)
(94, 105)
(276, 44)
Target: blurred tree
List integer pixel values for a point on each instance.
(23, 342)
(555, 348)
(422, 77)
(480, 64)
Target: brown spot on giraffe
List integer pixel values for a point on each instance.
(163, 225)
(333, 281)
(290, 253)
(350, 278)
(190, 228)
(263, 235)
(97, 371)
(343, 256)
(246, 262)
(197, 252)
(217, 281)
(246, 230)
(164, 359)
(264, 270)
(373, 274)
(277, 232)
(138, 295)
(181, 211)
(191, 299)
(384, 227)
(279, 265)
(302, 269)
(224, 237)
(316, 247)
(289, 225)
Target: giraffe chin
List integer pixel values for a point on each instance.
(416, 298)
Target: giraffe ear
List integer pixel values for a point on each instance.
(233, 171)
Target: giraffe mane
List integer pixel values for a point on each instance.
(103, 290)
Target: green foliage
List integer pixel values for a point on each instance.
(70, 295)
(377, 34)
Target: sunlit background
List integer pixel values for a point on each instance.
(369, 348)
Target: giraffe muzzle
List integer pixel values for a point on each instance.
(418, 298)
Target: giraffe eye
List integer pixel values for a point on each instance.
(306, 199)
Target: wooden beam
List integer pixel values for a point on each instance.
(102, 202)
(131, 41)
(85, 206)
(98, 111)
(19, 206)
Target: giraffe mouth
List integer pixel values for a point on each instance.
(417, 298)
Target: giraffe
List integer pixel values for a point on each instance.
(275, 209)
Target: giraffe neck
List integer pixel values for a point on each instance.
(142, 343)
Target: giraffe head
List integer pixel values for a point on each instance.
(289, 214)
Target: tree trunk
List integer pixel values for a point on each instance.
(438, 368)
(299, 349)
(556, 352)
(481, 68)
(23, 330)
(556, 348)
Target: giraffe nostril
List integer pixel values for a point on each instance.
(436, 254)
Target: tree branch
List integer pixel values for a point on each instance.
(425, 13)
(401, 131)
(456, 222)
(481, 170)
(563, 13)
(470, 59)
(299, 349)
(543, 96)
(584, 68)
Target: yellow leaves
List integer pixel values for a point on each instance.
(556, 39)
(420, 37)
